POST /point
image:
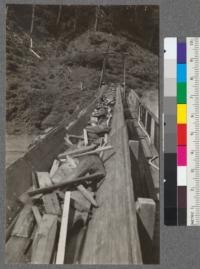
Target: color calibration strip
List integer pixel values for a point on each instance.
(170, 135)
(181, 134)
(182, 131)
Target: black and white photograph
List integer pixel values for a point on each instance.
(82, 134)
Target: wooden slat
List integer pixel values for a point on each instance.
(54, 168)
(25, 223)
(44, 240)
(112, 234)
(15, 249)
(78, 180)
(44, 179)
(51, 204)
(36, 214)
(63, 231)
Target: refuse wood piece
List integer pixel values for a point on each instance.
(93, 136)
(78, 217)
(93, 119)
(15, 249)
(36, 214)
(24, 198)
(51, 204)
(105, 138)
(44, 179)
(10, 227)
(75, 136)
(93, 152)
(34, 181)
(64, 171)
(85, 137)
(54, 168)
(76, 180)
(44, 240)
(88, 195)
(76, 151)
(60, 194)
(63, 230)
(79, 202)
(25, 223)
(97, 129)
(99, 113)
(88, 164)
(36, 197)
(67, 140)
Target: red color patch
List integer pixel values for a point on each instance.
(182, 134)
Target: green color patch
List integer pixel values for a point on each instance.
(181, 93)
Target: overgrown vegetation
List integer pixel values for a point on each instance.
(72, 42)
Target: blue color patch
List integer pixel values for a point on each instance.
(181, 73)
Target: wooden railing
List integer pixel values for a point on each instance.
(147, 121)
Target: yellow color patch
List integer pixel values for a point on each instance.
(181, 113)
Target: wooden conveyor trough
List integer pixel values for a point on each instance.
(124, 229)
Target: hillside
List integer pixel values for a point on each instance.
(43, 92)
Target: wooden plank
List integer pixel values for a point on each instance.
(88, 195)
(25, 223)
(115, 220)
(44, 179)
(95, 176)
(24, 198)
(10, 227)
(36, 214)
(79, 202)
(54, 168)
(93, 151)
(44, 240)
(77, 151)
(51, 204)
(85, 137)
(34, 181)
(15, 249)
(63, 231)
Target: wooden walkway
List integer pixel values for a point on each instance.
(112, 234)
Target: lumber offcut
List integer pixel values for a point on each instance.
(78, 180)
(112, 233)
(44, 240)
(25, 223)
(63, 230)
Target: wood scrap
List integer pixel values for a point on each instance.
(10, 227)
(15, 249)
(44, 240)
(93, 177)
(63, 230)
(34, 181)
(93, 151)
(44, 179)
(25, 223)
(77, 151)
(54, 168)
(51, 204)
(88, 164)
(88, 195)
(85, 137)
(36, 214)
(97, 130)
(79, 202)
(24, 198)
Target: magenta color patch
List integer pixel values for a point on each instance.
(182, 156)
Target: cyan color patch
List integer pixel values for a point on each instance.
(181, 73)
